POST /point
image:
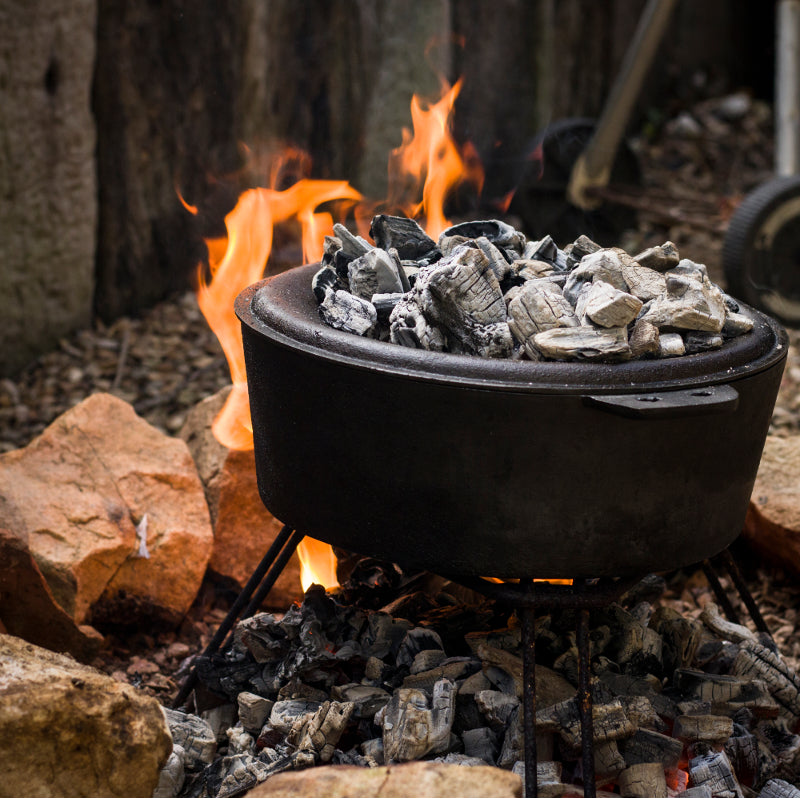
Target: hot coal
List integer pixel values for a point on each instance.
(484, 289)
(701, 706)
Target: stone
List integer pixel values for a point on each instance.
(70, 731)
(417, 779)
(79, 495)
(243, 528)
(772, 524)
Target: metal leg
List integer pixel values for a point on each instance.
(747, 598)
(713, 580)
(285, 535)
(528, 618)
(585, 704)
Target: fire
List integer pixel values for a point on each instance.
(428, 163)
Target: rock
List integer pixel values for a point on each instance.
(243, 528)
(113, 512)
(28, 608)
(772, 525)
(70, 731)
(417, 779)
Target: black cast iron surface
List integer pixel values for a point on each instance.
(458, 464)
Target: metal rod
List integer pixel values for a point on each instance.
(528, 618)
(585, 704)
(593, 166)
(747, 598)
(787, 88)
(713, 579)
(244, 596)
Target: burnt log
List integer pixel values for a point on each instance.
(756, 661)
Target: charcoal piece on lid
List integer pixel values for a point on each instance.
(352, 245)
(374, 273)
(660, 258)
(547, 250)
(496, 231)
(326, 278)
(403, 234)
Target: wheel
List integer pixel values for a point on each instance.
(541, 197)
(761, 249)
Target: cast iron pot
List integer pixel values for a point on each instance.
(471, 466)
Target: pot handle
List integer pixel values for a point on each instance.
(668, 404)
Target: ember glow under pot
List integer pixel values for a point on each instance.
(469, 466)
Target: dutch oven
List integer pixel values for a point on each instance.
(463, 465)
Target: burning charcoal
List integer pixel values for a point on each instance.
(497, 232)
(742, 751)
(409, 327)
(701, 341)
(502, 266)
(546, 250)
(606, 306)
(723, 694)
(680, 637)
(253, 711)
(691, 269)
(263, 637)
(584, 344)
(640, 711)
(374, 273)
(385, 304)
(581, 247)
(624, 684)
(643, 780)
(633, 643)
(756, 661)
(661, 258)
(670, 345)
(285, 713)
(696, 791)
(513, 748)
(649, 746)
(704, 728)
(714, 772)
(644, 283)
(193, 734)
(603, 265)
(414, 642)
(537, 307)
(453, 669)
(481, 743)
(530, 269)
(352, 245)
(331, 245)
(373, 752)
(320, 732)
(384, 634)
(736, 325)
(608, 761)
(644, 340)
(609, 721)
(242, 772)
(688, 305)
(172, 774)
(548, 777)
(366, 700)
(412, 729)
(489, 341)
(347, 312)
(403, 234)
(779, 788)
(326, 278)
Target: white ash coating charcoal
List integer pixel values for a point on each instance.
(640, 711)
(352, 245)
(714, 772)
(647, 746)
(661, 258)
(644, 339)
(607, 306)
(427, 659)
(691, 269)
(608, 762)
(415, 641)
(372, 750)
(537, 307)
(643, 780)
(254, 710)
(776, 787)
(696, 791)
(644, 283)
(581, 247)
(345, 311)
(409, 327)
(530, 268)
(402, 234)
(756, 661)
(513, 747)
(489, 341)
(412, 728)
(546, 781)
(583, 344)
(330, 247)
(701, 341)
(447, 244)
(193, 734)
(285, 713)
(410, 270)
(242, 773)
(500, 264)
(320, 733)
(736, 325)
(240, 741)
(546, 250)
(689, 305)
(385, 304)
(670, 345)
(172, 774)
(400, 269)
(374, 273)
(324, 279)
(500, 233)
(220, 718)
(366, 700)
(480, 743)
(602, 265)
(610, 721)
(703, 728)
(452, 669)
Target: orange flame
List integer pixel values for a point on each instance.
(317, 564)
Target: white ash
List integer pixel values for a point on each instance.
(484, 289)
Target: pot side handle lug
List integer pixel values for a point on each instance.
(668, 404)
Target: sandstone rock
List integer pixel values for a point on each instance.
(69, 731)
(28, 608)
(416, 779)
(772, 525)
(112, 510)
(243, 528)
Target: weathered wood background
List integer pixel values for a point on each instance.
(106, 106)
